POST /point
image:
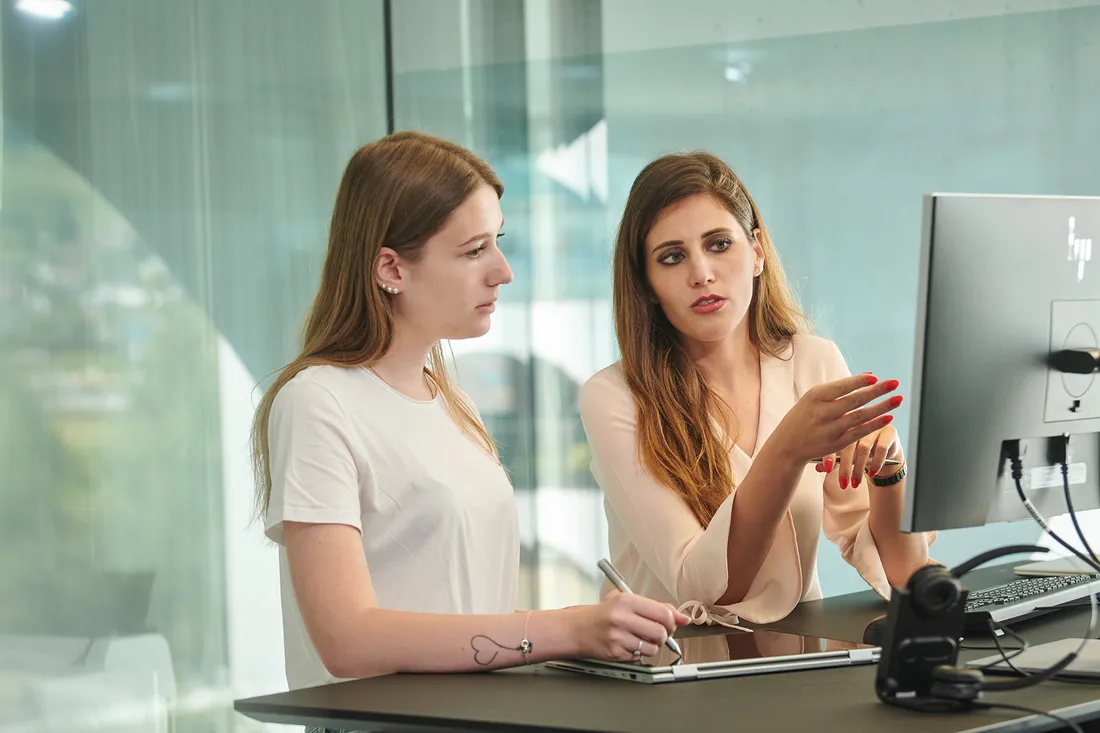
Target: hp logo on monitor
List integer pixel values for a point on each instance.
(1080, 250)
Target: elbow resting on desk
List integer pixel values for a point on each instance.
(346, 659)
(902, 554)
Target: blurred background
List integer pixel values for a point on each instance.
(167, 171)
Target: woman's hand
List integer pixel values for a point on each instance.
(623, 624)
(868, 455)
(833, 416)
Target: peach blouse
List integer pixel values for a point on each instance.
(661, 549)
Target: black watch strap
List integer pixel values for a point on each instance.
(891, 479)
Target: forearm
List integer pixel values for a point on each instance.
(760, 504)
(901, 553)
(376, 641)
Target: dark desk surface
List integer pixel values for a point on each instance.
(541, 699)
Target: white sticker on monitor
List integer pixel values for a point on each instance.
(1046, 477)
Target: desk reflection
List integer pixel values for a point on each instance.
(722, 647)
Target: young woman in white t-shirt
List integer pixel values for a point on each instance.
(397, 524)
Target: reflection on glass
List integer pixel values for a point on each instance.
(162, 198)
(109, 402)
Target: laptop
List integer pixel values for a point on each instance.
(1086, 667)
(1070, 565)
(733, 654)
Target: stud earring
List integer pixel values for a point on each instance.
(390, 290)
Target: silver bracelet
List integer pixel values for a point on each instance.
(525, 646)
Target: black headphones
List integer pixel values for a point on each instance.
(920, 646)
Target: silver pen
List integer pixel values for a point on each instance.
(617, 580)
(887, 462)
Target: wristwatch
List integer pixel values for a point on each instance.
(890, 480)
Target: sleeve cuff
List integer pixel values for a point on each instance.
(273, 529)
(777, 587)
(707, 575)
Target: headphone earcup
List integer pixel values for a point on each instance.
(956, 683)
(934, 590)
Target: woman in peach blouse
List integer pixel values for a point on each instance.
(703, 435)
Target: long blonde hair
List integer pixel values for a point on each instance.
(678, 446)
(394, 193)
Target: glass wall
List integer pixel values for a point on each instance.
(840, 133)
(839, 120)
(166, 178)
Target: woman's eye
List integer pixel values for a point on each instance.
(721, 245)
(474, 253)
(672, 258)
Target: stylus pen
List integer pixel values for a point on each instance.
(887, 462)
(617, 580)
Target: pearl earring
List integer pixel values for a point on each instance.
(390, 290)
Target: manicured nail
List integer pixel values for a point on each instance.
(886, 419)
(855, 482)
(819, 468)
(895, 400)
(892, 384)
(828, 465)
(872, 379)
(843, 482)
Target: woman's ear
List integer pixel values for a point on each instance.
(387, 270)
(758, 249)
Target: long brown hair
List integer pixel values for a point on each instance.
(395, 192)
(676, 443)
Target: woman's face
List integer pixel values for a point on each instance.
(450, 290)
(701, 265)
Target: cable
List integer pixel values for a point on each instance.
(1013, 451)
(1062, 453)
(1063, 456)
(1073, 514)
(1007, 658)
(958, 692)
(1034, 711)
(997, 647)
(1017, 476)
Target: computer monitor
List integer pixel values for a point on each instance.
(1005, 282)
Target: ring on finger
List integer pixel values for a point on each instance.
(638, 651)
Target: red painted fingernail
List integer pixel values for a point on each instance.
(843, 482)
(886, 419)
(892, 384)
(855, 482)
(895, 400)
(872, 379)
(828, 465)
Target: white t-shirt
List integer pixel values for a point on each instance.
(436, 511)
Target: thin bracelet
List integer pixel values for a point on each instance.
(525, 646)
